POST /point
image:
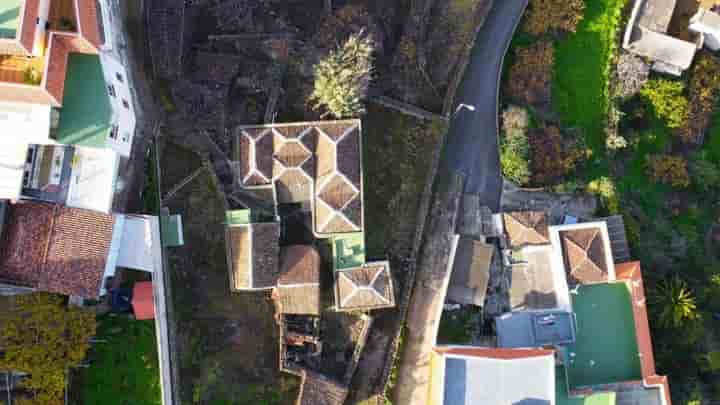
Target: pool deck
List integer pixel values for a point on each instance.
(606, 349)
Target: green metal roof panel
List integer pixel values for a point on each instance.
(172, 230)
(86, 114)
(238, 217)
(349, 250)
(9, 17)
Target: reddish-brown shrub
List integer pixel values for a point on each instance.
(551, 157)
(530, 77)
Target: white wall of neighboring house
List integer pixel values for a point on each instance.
(117, 81)
(40, 28)
(707, 23)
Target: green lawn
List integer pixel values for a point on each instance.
(123, 369)
(582, 66)
(605, 350)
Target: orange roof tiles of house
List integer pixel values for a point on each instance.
(494, 353)
(68, 246)
(27, 33)
(631, 272)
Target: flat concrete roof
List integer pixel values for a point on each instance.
(535, 329)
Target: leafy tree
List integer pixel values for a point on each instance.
(670, 170)
(674, 302)
(530, 76)
(553, 16)
(705, 173)
(667, 99)
(43, 337)
(343, 77)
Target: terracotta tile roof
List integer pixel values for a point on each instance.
(366, 287)
(328, 152)
(27, 35)
(299, 264)
(24, 242)
(89, 26)
(253, 254)
(631, 273)
(293, 186)
(584, 255)
(67, 252)
(526, 228)
(495, 353)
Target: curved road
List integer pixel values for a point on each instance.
(472, 145)
(472, 148)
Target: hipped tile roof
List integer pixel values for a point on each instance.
(584, 255)
(526, 228)
(315, 161)
(56, 249)
(364, 288)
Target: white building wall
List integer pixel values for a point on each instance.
(117, 80)
(40, 29)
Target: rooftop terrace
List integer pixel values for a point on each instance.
(9, 17)
(605, 350)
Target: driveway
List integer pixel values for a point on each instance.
(473, 138)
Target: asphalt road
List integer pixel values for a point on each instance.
(472, 146)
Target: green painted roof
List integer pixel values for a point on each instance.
(172, 231)
(605, 350)
(86, 114)
(349, 250)
(238, 217)
(562, 398)
(9, 17)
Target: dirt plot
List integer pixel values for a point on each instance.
(227, 341)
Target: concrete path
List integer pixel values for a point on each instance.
(473, 138)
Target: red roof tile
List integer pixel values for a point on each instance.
(68, 250)
(88, 17)
(29, 25)
(495, 353)
(142, 300)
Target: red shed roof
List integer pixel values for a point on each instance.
(142, 301)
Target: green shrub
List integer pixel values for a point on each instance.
(668, 100)
(515, 157)
(343, 77)
(670, 170)
(705, 173)
(605, 189)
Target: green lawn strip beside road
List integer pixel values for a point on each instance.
(123, 364)
(582, 68)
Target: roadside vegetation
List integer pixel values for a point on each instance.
(123, 364)
(648, 145)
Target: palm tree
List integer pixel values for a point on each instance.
(674, 302)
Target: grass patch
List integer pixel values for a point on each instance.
(124, 370)
(582, 68)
